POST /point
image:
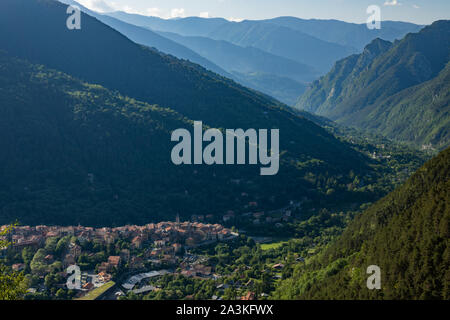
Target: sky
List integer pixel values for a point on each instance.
(417, 11)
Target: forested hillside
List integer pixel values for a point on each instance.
(75, 152)
(151, 39)
(78, 153)
(406, 234)
(99, 54)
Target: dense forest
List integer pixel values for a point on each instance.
(79, 153)
(406, 234)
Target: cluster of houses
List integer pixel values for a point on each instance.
(159, 243)
(178, 233)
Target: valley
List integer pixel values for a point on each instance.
(202, 158)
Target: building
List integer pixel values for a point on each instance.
(114, 261)
(104, 277)
(249, 296)
(18, 267)
(88, 286)
(278, 266)
(137, 242)
(109, 266)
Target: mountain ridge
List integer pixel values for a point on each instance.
(350, 92)
(151, 39)
(345, 33)
(249, 64)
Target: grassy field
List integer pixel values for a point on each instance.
(272, 245)
(94, 294)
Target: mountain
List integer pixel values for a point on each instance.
(284, 89)
(391, 88)
(344, 33)
(278, 77)
(406, 234)
(268, 73)
(151, 39)
(420, 114)
(280, 87)
(255, 51)
(284, 42)
(272, 38)
(74, 152)
(324, 94)
(128, 161)
(99, 54)
(190, 26)
(309, 37)
(352, 35)
(235, 58)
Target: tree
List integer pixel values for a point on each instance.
(230, 293)
(27, 255)
(50, 245)
(61, 246)
(37, 265)
(13, 285)
(61, 294)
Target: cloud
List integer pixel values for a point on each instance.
(177, 13)
(97, 5)
(155, 12)
(128, 9)
(392, 3)
(102, 6)
(415, 6)
(235, 19)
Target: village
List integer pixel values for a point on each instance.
(132, 259)
(139, 252)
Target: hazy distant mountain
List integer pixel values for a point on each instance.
(274, 56)
(344, 33)
(274, 75)
(149, 38)
(123, 142)
(284, 42)
(348, 34)
(191, 26)
(399, 89)
(272, 38)
(310, 39)
(234, 58)
(281, 87)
